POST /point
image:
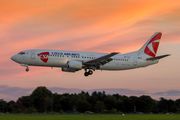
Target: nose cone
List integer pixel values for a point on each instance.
(13, 58)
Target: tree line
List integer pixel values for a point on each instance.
(42, 100)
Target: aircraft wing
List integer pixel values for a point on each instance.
(100, 60)
(158, 57)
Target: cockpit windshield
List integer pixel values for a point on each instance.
(21, 53)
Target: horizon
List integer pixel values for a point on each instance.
(6, 92)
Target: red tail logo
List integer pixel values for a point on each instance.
(44, 56)
(152, 46)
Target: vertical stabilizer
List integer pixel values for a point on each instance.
(151, 46)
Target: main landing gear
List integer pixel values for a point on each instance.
(90, 72)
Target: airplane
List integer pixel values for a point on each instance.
(72, 61)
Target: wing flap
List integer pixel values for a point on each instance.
(100, 60)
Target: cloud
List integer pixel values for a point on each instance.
(92, 26)
(168, 93)
(13, 92)
(43, 24)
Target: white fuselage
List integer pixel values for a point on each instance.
(72, 61)
(59, 58)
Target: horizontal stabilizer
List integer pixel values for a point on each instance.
(158, 57)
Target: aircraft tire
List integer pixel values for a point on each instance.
(90, 72)
(27, 69)
(86, 74)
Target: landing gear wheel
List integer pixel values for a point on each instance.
(90, 72)
(27, 69)
(86, 74)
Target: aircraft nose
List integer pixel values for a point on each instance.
(13, 58)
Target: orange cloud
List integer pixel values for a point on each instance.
(81, 25)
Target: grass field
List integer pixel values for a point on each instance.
(90, 117)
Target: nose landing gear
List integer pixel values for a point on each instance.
(25, 65)
(90, 72)
(27, 69)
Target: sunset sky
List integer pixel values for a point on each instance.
(93, 26)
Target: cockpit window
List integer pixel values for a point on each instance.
(21, 53)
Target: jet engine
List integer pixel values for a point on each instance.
(72, 64)
(68, 70)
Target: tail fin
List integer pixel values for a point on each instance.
(151, 46)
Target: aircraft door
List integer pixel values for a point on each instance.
(135, 61)
(32, 54)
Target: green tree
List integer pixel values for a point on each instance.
(56, 102)
(31, 110)
(18, 107)
(110, 102)
(82, 95)
(127, 104)
(26, 101)
(93, 98)
(119, 105)
(10, 106)
(65, 103)
(48, 104)
(42, 99)
(82, 106)
(171, 106)
(177, 104)
(162, 105)
(3, 105)
(99, 106)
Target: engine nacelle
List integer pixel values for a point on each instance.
(72, 64)
(68, 70)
